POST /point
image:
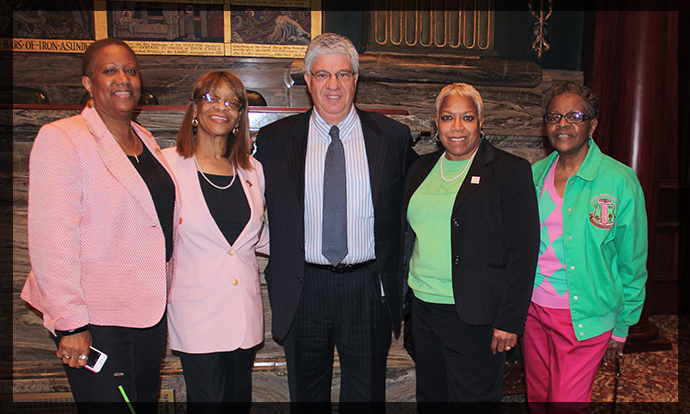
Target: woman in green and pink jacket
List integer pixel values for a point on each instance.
(591, 273)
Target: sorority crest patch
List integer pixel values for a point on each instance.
(604, 214)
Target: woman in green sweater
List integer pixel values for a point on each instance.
(471, 244)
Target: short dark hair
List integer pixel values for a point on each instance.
(587, 95)
(92, 51)
(238, 145)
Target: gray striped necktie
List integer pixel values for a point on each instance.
(334, 227)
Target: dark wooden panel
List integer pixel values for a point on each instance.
(665, 254)
(663, 299)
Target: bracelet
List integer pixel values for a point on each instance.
(74, 331)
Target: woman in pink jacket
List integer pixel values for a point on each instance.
(215, 312)
(101, 225)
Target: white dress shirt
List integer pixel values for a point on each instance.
(360, 207)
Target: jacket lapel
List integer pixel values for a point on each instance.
(197, 202)
(419, 175)
(296, 153)
(376, 151)
(478, 175)
(249, 191)
(119, 165)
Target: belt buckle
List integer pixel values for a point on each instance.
(342, 268)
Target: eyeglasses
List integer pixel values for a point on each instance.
(215, 100)
(324, 76)
(570, 117)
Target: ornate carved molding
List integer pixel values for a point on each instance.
(432, 26)
(540, 44)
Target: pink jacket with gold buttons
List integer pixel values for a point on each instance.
(215, 302)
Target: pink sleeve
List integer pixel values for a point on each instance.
(263, 244)
(54, 216)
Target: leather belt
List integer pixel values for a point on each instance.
(342, 268)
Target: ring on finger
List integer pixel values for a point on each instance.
(66, 356)
(507, 348)
(83, 357)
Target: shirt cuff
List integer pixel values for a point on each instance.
(618, 338)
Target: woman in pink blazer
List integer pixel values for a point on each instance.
(101, 226)
(215, 311)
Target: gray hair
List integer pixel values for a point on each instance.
(331, 44)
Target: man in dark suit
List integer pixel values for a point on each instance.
(334, 178)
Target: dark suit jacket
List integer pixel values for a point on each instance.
(494, 238)
(282, 149)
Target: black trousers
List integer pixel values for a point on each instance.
(218, 377)
(134, 362)
(456, 370)
(346, 310)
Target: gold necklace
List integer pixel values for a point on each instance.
(448, 180)
(126, 147)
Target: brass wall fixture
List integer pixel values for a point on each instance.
(540, 44)
(438, 25)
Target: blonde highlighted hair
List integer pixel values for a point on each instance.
(460, 89)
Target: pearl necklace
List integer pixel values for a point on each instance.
(448, 180)
(234, 174)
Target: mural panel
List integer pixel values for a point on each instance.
(34, 26)
(256, 28)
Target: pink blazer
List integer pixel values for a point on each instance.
(215, 302)
(96, 247)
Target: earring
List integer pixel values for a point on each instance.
(590, 137)
(481, 135)
(437, 138)
(195, 122)
(234, 131)
(90, 103)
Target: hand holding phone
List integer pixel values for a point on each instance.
(95, 360)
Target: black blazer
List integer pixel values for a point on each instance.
(494, 238)
(282, 150)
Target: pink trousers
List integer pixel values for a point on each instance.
(559, 369)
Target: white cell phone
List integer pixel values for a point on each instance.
(96, 360)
